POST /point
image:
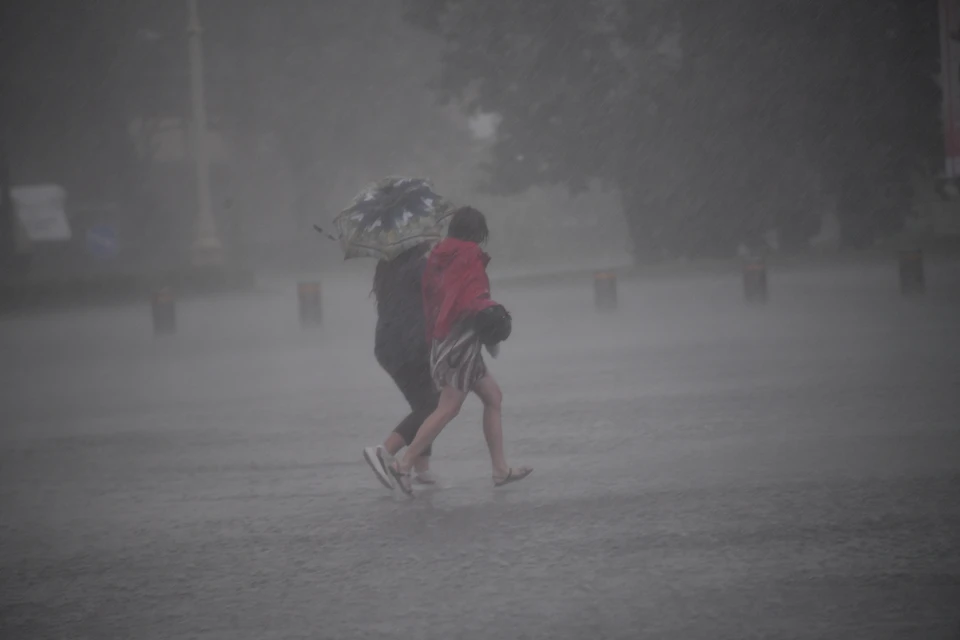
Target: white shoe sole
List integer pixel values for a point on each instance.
(373, 460)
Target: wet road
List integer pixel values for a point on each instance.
(703, 470)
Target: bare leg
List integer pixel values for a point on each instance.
(489, 392)
(492, 397)
(450, 402)
(393, 443)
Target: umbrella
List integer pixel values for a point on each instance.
(390, 216)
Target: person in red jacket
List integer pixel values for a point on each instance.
(460, 318)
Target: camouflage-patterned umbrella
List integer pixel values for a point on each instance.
(390, 216)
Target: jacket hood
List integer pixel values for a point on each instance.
(449, 248)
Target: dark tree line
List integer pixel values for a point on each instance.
(709, 148)
(705, 115)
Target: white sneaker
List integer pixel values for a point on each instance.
(378, 459)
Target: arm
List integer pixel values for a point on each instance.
(475, 282)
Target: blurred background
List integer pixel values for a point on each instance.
(742, 425)
(603, 130)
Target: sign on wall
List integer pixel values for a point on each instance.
(41, 210)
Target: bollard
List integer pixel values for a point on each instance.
(912, 279)
(308, 294)
(755, 280)
(164, 307)
(605, 291)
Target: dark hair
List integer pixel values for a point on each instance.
(468, 224)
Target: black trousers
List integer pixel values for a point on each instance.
(415, 383)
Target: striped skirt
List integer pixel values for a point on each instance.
(456, 361)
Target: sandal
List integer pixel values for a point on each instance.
(513, 475)
(401, 478)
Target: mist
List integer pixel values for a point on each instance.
(727, 237)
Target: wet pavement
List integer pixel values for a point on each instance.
(704, 469)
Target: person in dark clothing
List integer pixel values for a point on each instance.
(401, 349)
(461, 318)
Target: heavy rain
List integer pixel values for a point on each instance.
(727, 236)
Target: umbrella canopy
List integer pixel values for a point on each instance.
(390, 216)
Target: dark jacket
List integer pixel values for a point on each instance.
(401, 330)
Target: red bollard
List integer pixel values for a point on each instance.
(308, 294)
(605, 291)
(755, 280)
(163, 305)
(912, 277)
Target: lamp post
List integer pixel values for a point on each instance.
(207, 248)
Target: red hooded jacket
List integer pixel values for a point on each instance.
(455, 285)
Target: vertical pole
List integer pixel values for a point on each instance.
(947, 85)
(163, 308)
(7, 224)
(207, 248)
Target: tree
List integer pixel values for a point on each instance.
(611, 90)
(334, 85)
(880, 121)
(574, 97)
(340, 106)
(706, 154)
(76, 75)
